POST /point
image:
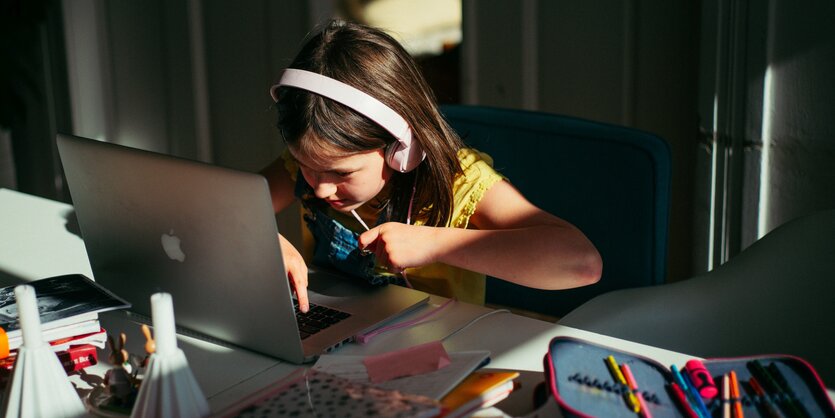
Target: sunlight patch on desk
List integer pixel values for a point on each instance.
(520, 346)
(510, 359)
(204, 345)
(43, 247)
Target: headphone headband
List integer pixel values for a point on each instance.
(361, 102)
(349, 96)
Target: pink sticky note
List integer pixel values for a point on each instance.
(410, 361)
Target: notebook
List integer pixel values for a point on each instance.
(207, 235)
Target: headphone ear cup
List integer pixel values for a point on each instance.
(404, 158)
(391, 155)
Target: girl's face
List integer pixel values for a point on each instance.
(345, 182)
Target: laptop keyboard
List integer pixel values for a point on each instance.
(317, 318)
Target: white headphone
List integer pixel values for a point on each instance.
(402, 155)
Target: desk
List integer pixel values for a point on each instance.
(37, 243)
(228, 374)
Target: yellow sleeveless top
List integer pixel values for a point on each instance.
(467, 190)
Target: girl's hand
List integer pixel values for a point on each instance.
(296, 270)
(400, 246)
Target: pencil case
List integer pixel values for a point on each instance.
(580, 377)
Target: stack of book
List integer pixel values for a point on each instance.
(481, 389)
(69, 308)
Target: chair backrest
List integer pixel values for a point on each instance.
(774, 297)
(610, 181)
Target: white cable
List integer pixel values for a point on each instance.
(474, 320)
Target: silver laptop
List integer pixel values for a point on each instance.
(208, 236)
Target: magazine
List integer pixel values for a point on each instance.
(65, 302)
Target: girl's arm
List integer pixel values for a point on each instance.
(549, 252)
(281, 192)
(515, 241)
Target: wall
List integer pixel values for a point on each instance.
(799, 101)
(33, 92)
(188, 78)
(765, 96)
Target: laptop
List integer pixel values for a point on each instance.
(207, 235)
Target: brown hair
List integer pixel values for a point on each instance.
(372, 61)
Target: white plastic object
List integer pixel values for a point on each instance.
(168, 388)
(39, 386)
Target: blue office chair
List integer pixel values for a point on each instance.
(610, 181)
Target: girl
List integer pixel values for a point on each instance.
(391, 193)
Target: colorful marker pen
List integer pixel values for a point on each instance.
(701, 378)
(633, 384)
(726, 396)
(697, 398)
(682, 401)
(765, 402)
(735, 398)
(629, 397)
(781, 381)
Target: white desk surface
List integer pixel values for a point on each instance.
(228, 374)
(34, 239)
(43, 246)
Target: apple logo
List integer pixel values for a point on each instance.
(171, 245)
